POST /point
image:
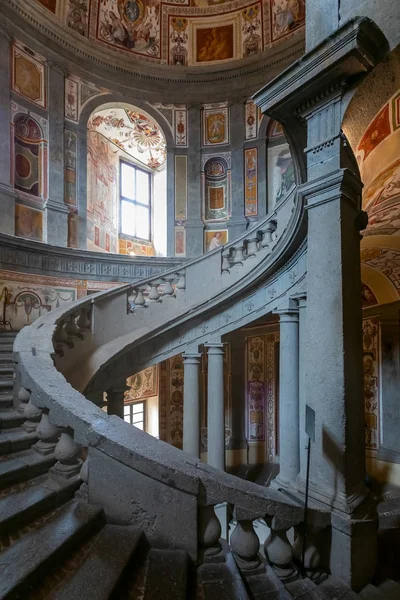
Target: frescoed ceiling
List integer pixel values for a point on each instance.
(132, 131)
(183, 32)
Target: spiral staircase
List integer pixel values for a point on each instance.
(93, 508)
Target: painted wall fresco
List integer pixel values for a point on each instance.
(143, 384)
(250, 182)
(51, 5)
(262, 390)
(31, 296)
(280, 167)
(368, 297)
(180, 187)
(215, 124)
(215, 238)
(77, 94)
(216, 178)
(371, 382)
(70, 153)
(28, 74)
(251, 120)
(28, 223)
(102, 176)
(181, 129)
(132, 131)
(29, 154)
(185, 32)
(180, 241)
(132, 248)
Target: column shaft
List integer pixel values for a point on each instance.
(7, 195)
(191, 403)
(216, 410)
(302, 304)
(289, 396)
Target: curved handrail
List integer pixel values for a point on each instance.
(34, 352)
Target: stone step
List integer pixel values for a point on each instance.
(334, 588)
(6, 371)
(167, 575)
(370, 592)
(6, 385)
(25, 562)
(15, 440)
(265, 585)
(6, 360)
(391, 589)
(10, 419)
(6, 400)
(18, 509)
(24, 465)
(102, 572)
(215, 582)
(303, 589)
(6, 348)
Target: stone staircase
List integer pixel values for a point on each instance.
(54, 545)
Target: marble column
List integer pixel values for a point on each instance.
(215, 408)
(115, 401)
(56, 211)
(237, 223)
(7, 193)
(289, 458)
(191, 403)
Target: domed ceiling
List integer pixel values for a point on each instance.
(182, 32)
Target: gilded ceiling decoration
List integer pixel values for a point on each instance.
(182, 32)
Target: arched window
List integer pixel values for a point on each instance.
(281, 177)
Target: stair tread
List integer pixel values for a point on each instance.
(166, 575)
(31, 555)
(370, 592)
(16, 467)
(100, 573)
(16, 440)
(334, 588)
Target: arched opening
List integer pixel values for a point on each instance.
(126, 182)
(280, 166)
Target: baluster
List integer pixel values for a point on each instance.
(131, 301)
(181, 285)
(267, 232)
(168, 289)
(238, 258)
(209, 531)
(48, 435)
(225, 261)
(84, 321)
(23, 399)
(140, 301)
(67, 453)
(245, 545)
(61, 336)
(278, 549)
(84, 472)
(32, 414)
(71, 328)
(154, 295)
(252, 246)
(312, 557)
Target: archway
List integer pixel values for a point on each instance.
(126, 181)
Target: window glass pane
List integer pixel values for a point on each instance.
(137, 408)
(142, 222)
(127, 410)
(127, 218)
(127, 418)
(128, 181)
(139, 425)
(142, 187)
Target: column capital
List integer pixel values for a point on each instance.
(288, 312)
(301, 299)
(342, 184)
(214, 348)
(54, 66)
(193, 358)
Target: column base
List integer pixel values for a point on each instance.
(345, 503)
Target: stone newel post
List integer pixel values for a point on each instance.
(216, 410)
(191, 403)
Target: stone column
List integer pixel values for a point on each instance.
(289, 458)
(216, 409)
(56, 211)
(115, 401)
(7, 194)
(191, 403)
(81, 185)
(194, 224)
(303, 439)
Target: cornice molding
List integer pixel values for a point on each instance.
(26, 256)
